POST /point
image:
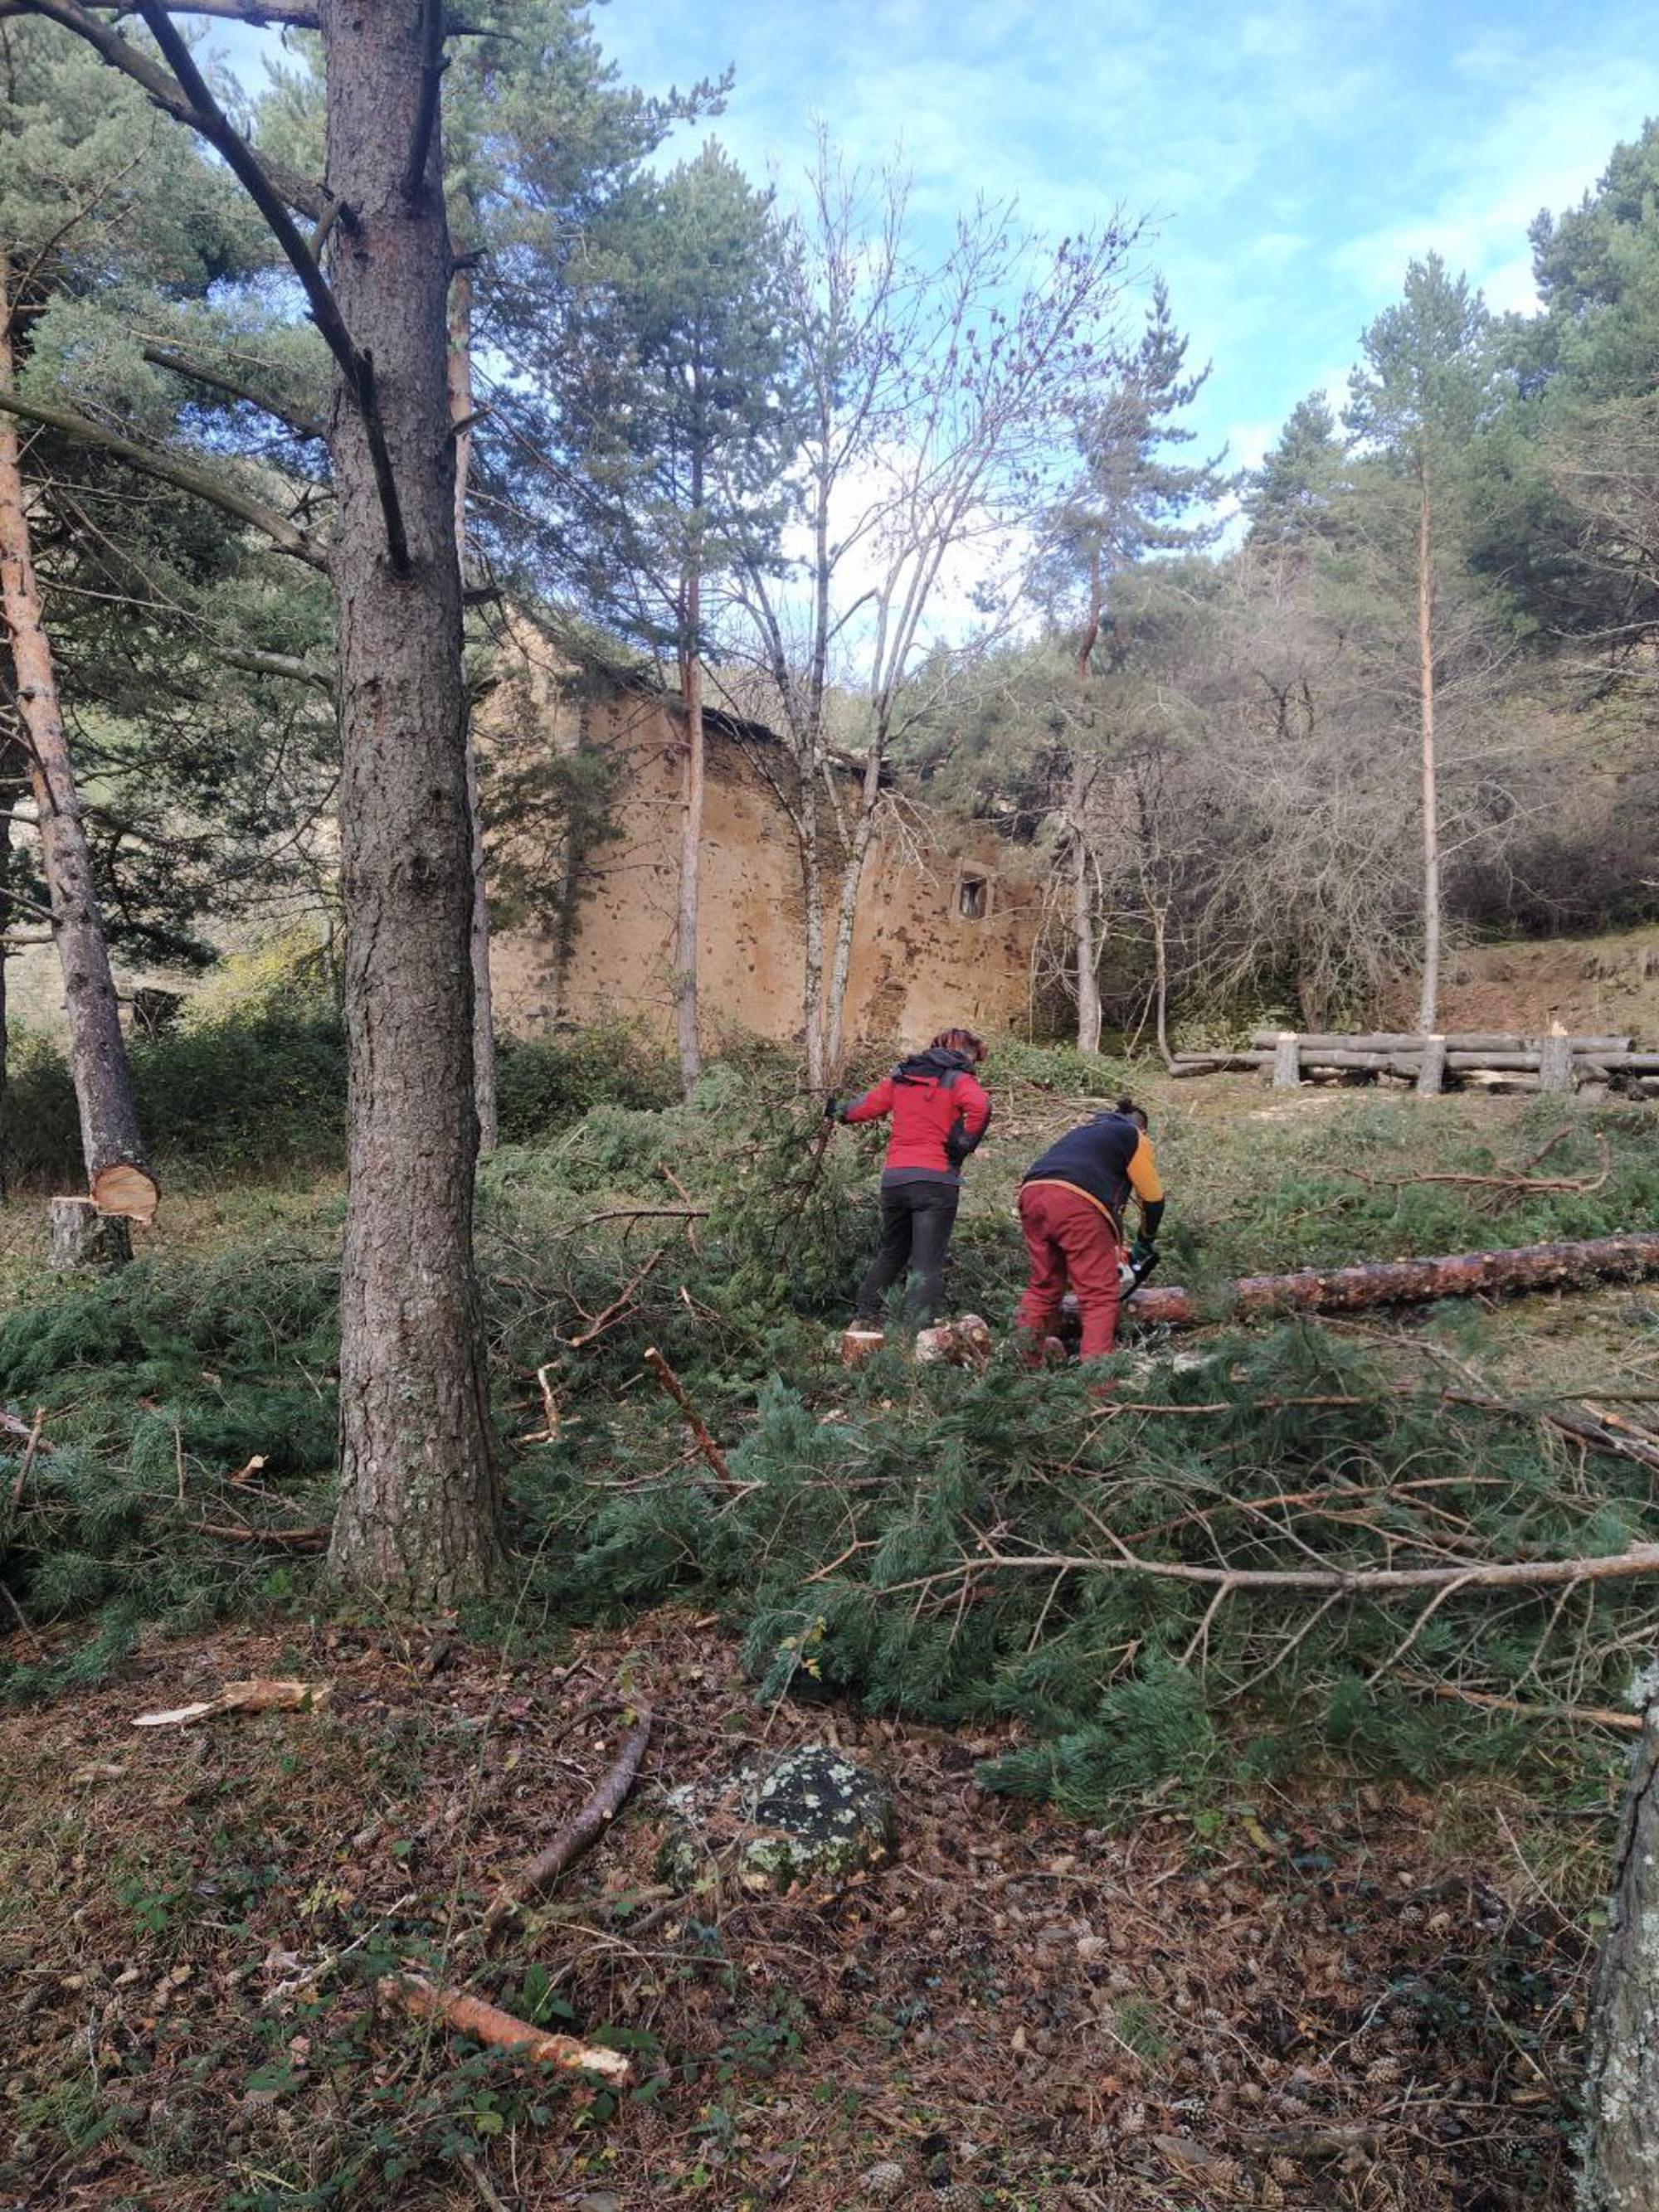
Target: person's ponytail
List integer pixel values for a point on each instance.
(1131, 1112)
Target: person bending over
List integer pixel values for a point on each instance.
(939, 1112)
(1071, 1204)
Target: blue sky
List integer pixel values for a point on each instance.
(1296, 156)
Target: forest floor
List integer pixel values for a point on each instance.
(1361, 1998)
(1336, 1988)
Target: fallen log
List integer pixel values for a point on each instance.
(1573, 1264)
(580, 1833)
(499, 2031)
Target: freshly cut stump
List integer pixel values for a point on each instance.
(813, 1815)
(82, 1236)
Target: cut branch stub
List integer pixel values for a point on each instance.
(124, 1189)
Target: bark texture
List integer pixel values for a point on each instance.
(461, 407)
(418, 1518)
(81, 1237)
(1413, 1282)
(1621, 2092)
(97, 1047)
(1430, 1004)
(690, 899)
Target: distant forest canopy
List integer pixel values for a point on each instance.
(938, 516)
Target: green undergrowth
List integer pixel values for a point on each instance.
(266, 1088)
(957, 1547)
(728, 1232)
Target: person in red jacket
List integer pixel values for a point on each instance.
(939, 1112)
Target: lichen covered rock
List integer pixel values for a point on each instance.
(812, 1815)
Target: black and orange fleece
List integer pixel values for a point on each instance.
(1106, 1161)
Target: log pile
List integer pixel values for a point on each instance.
(1477, 1059)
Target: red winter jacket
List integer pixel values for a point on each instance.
(940, 1114)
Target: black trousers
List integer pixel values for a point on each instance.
(916, 1221)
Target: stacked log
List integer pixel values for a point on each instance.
(1555, 1062)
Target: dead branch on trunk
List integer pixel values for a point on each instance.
(499, 2031)
(706, 1444)
(581, 1832)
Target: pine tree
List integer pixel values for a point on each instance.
(675, 390)
(1426, 386)
(1130, 500)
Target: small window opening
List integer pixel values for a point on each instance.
(973, 897)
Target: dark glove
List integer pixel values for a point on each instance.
(1142, 1253)
(832, 1107)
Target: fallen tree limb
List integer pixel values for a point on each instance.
(500, 2031)
(1566, 1265)
(15, 1427)
(694, 1420)
(1592, 1716)
(622, 1303)
(32, 1444)
(580, 1833)
(1346, 1581)
(303, 1539)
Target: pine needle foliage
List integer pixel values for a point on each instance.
(856, 1563)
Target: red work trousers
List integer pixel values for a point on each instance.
(1073, 1246)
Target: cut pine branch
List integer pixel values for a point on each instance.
(694, 1420)
(499, 2031)
(579, 1834)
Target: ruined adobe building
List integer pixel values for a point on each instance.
(945, 920)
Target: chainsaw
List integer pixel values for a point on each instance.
(1132, 1272)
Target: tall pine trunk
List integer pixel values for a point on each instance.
(418, 1520)
(97, 1049)
(1084, 948)
(461, 406)
(1429, 1003)
(690, 903)
(1621, 2095)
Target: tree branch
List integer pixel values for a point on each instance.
(165, 469)
(303, 426)
(358, 370)
(170, 97)
(433, 62)
(289, 664)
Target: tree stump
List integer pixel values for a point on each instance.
(1555, 1061)
(1432, 1075)
(82, 1236)
(1287, 1062)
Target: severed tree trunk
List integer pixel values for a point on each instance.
(418, 1521)
(1429, 1003)
(97, 1048)
(1415, 1282)
(1620, 2171)
(461, 407)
